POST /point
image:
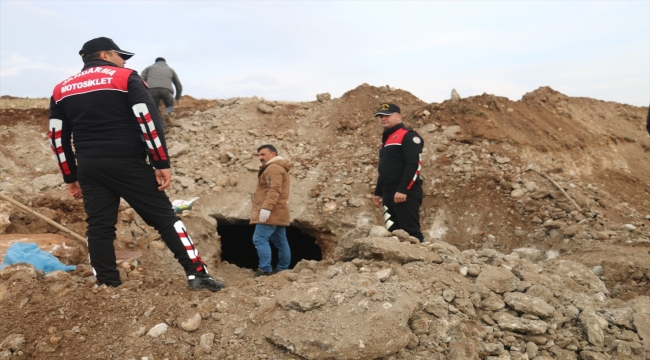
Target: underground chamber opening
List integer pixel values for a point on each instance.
(237, 245)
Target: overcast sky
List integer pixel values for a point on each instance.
(292, 50)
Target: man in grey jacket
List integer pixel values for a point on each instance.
(160, 77)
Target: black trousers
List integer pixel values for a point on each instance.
(406, 215)
(103, 182)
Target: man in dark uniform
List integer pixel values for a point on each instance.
(399, 186)
(107, 109)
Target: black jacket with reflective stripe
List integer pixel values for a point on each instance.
(98, 106)
(399, 160)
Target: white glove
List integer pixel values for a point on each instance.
(264, 215)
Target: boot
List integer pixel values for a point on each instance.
(203, 281)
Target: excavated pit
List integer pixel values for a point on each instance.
(238, 249)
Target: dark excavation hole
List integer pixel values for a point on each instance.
(237, 245)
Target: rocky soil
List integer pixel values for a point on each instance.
(536, 213)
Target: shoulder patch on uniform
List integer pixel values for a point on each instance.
(145, 84)
(416, 140)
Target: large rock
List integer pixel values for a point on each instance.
(618, 316)
(571, 230)
(22, 270)
(378, 231)
(530, 253)
(326, 317)
(640, 305)
(266, 109)
(593, 325)
(592, 355)
(493, 302)
(253, 165)
(157, 330)
(510, 323)
(13, 343)
(498, 279)
(463, 345)
(517, 193)
(437, 306)
(49, 181)
(191, 323)
(581, 275)
(642, 325)
(389, 249)
(452, 130)
(304, 297)
(7, 188)
(185, 181)
(528, 304)
(323, 97)
(205, 345)
(178, 149)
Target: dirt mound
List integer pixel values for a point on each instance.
(392, 301)
(35, 116)
(546, 179)
(189, 105)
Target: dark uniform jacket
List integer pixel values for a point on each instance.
(400, 160)
(111, 114)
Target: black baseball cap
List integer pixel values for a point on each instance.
(160, 59)
(103, 43)
(387, 109)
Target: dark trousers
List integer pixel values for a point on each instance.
(406, 215)
(103, 182)
(166, 95)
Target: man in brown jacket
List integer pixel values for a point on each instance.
(270, 212)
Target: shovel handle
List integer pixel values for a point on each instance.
(80, 239)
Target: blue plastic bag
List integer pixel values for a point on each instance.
(30, 253)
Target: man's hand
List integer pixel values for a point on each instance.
(399, 198)
(177, 101)
(75, 190)
(164, 178)
(376, 200)
(264, 215)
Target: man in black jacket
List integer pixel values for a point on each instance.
(107, 109)
(399, 186)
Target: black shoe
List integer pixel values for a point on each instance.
(113, 284)
(200, 282)
(260, 272)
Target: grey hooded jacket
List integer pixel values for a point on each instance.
(160, 75)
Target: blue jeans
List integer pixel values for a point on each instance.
(276, 235)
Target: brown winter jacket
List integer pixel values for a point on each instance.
(272, 192)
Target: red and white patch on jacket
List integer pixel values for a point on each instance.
(148, 128)
(417, 173)
(93, 79)
(396, 138)
(54, 137)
